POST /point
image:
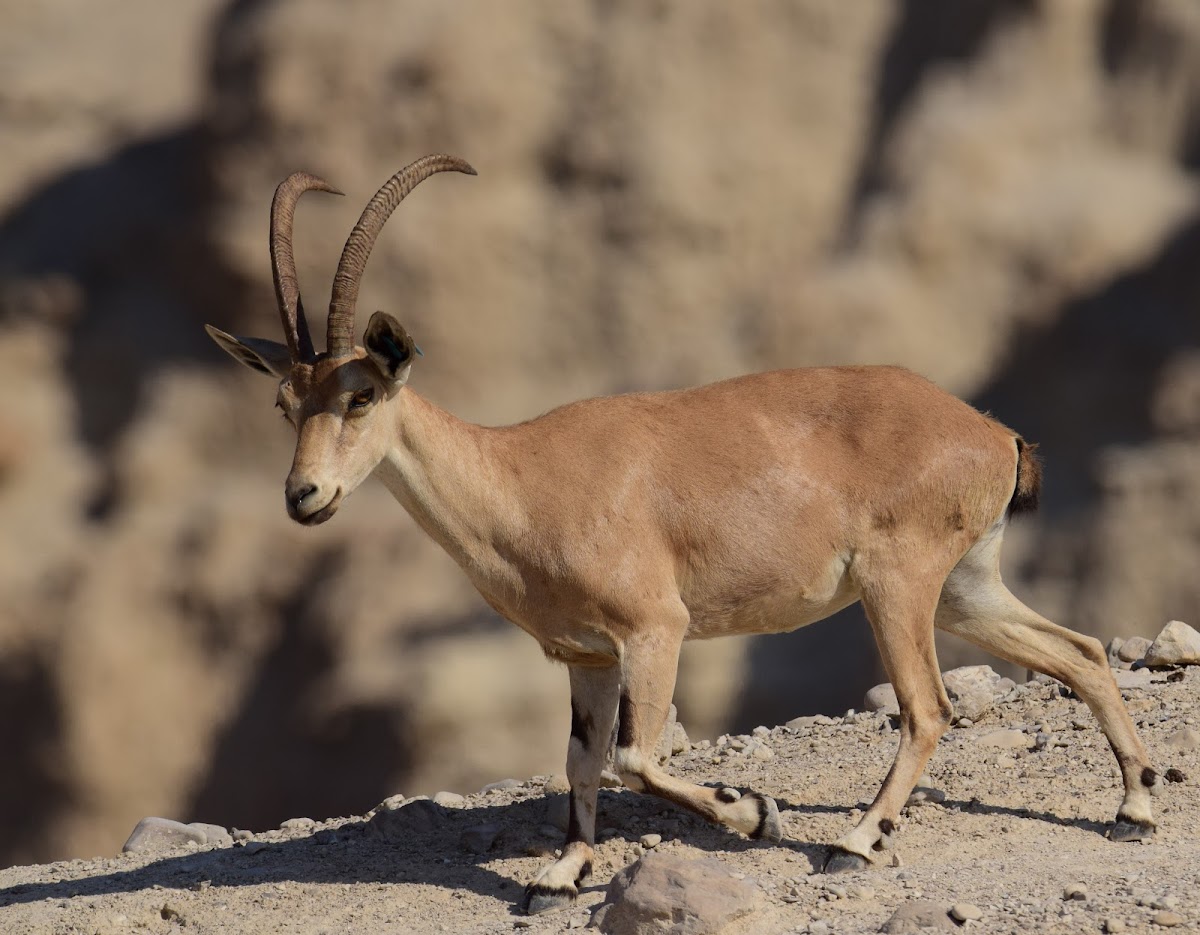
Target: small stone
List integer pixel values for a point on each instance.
(297, 824)
(679, 740)
(556, 784)
(1165, 902)
(650, 841)
(761, 731)
(854, 891)
(974, 689)
(240, 834)
(965, 722)
(1113, 925)
(152, 835)
(965, 912)
(214, 835)
(1005, 740)
(481, 838)
(1177, 644)
(882, 698)
(811, 720)
(923, 795)
(391, 802)
(1112, 650)
(449, 799)
(1133, 649)
(1184, 740)
(1167, 919)
(501, 785)
(610, 780)
(1076, 891)
(762, 752)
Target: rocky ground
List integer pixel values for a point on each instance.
(1005, 834)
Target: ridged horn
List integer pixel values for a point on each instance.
(340, 329)
(283, 263)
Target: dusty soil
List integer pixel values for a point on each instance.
(1016, 829)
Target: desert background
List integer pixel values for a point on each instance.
(1000, 194)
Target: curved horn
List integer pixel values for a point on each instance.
(340, 330)
(283, 264)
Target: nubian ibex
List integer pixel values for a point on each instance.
(613, 529)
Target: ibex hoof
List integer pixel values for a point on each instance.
(769, 826)
(539, 898)
(841, 861)
(1129, 829)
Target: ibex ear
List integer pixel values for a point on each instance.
(390, 347)
(269, 357)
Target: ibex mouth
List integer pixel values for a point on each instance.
(317, 517)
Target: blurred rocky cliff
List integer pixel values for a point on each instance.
(1001, 194)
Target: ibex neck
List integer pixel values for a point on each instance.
(445, 474)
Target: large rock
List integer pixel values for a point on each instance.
(662, 894)
(1177, 644)
(974, 689)
(156, 835)
(920, 915)
(399, 824)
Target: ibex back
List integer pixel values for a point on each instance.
(611, 530)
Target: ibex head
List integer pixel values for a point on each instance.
(336, 400)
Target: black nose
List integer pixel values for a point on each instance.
(296, 497)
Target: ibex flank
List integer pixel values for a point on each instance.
(613, 529)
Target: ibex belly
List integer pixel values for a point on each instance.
(763, 600)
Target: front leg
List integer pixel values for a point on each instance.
(594, 695)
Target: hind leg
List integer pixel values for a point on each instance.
(648, 668)
(901, 615)
(977, 606)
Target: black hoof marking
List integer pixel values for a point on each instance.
(585, 873)
(769, 827)
(1130, 829)
(539, 898)
(841, 861)
(1149, 777)
(1175, 775)
(886, 826)
(727, 795)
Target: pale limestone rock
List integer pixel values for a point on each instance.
(1133, 649)
(663, 893)
(1177, 644)
(153, 835)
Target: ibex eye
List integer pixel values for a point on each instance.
(361, 398)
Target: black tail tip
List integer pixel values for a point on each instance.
(1028, 488)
